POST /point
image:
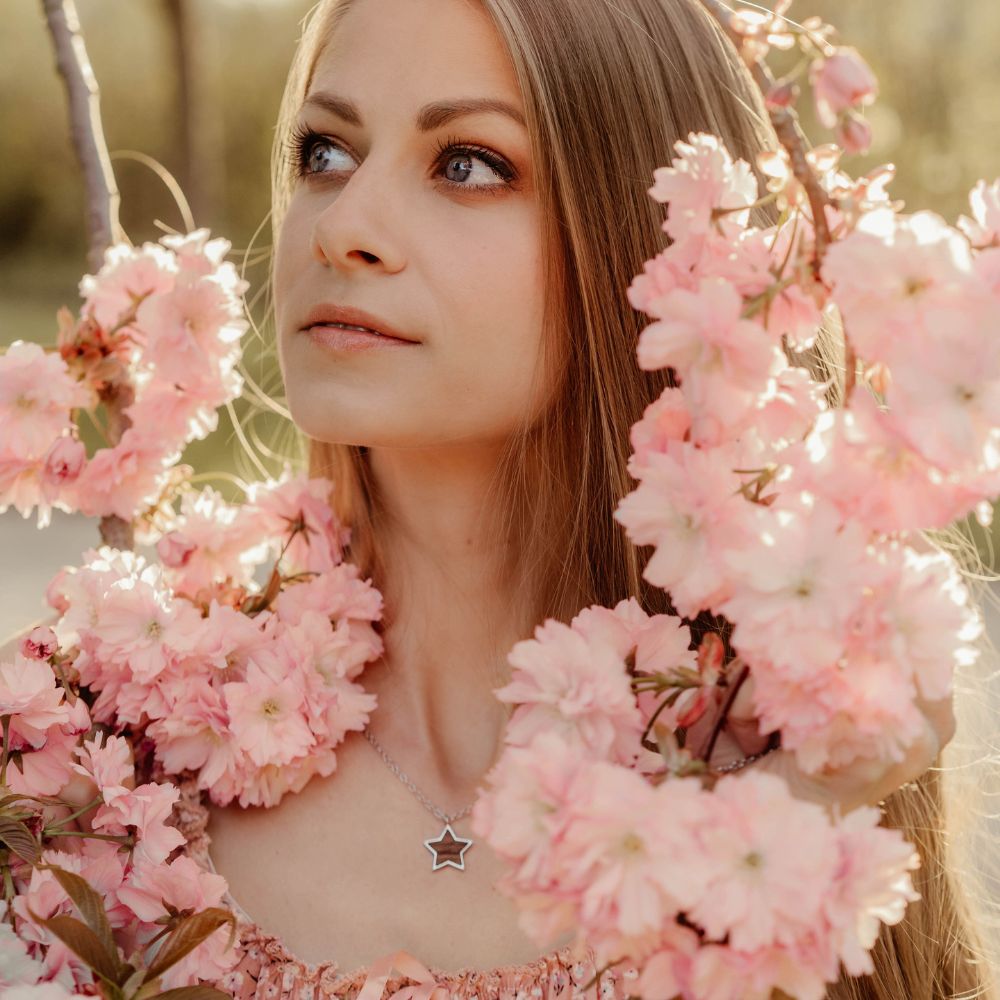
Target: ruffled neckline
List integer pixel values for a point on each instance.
(191, 816)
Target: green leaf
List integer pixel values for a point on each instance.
(91, 908)
(188, 934)
(19, 839)
(82, 941)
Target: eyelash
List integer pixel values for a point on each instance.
(303, 139)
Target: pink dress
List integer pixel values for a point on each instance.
(267, 970)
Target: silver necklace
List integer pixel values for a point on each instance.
(446, 848)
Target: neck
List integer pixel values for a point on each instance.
(451, 614)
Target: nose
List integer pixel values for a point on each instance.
(354, 228)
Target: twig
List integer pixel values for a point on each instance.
(83, 96)
(720, 721)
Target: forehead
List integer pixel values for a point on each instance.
(400, 54)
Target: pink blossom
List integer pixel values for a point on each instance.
(930, 624)
(703, 177)
(147, 808)
(796, 582)
(21, 487)
(664, 420)
(338, 593)
(299, 509)
(720, 972)
(522, 809)
(194, 734)
(266, 719)
(629, 845)
(123, 479)
(578, 688)
(141, 627)
(873, 886)
(184, 886)
(854, 133)
(618, 627)
(946, 396)
(681, 505)
(841, 81)
(211, 541)
(30, 695)
(889, 271)
(860, 459)
(45, 770)
(724, 362)
(126, 278)
(983, 229)
(37, 393)
(831, 718)
(61, 464)
(188, 327)
(107, 760)
(767, 877)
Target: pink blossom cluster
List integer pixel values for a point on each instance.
(789, 517)
(723, 895)
(728, 893)
(255, 703)
(51, 747)
(160, 333)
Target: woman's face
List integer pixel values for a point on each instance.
(386, 217)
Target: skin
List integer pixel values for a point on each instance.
(385, 224)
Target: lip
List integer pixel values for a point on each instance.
(322, 317)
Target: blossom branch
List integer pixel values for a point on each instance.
(786, 126)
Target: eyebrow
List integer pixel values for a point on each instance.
(430, 116)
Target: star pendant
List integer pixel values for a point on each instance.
(448, 849)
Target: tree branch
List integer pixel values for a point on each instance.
(73, 65)
(100, 188)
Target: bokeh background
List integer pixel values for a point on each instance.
(194, 86)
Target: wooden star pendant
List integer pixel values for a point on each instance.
(447, 848)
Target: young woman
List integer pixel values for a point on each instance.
(469, 177)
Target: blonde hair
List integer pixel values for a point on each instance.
(608, 87)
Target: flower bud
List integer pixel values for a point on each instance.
(843, 81)
(854, 133)
(175, 550)
(39, 644)
(63, 463)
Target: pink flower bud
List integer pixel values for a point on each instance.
(843, 81)
(854, 133)
(175, 550)
(39, 644)
(62, 464)
(783, 95)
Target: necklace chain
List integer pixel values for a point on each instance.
(440, 814)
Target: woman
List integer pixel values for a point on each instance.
(470, 178)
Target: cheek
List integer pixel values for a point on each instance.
(500, 347)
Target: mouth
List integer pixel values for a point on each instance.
(349, 325)
(351, 338)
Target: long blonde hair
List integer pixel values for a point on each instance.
(608, 87)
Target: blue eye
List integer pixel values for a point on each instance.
(313, 154)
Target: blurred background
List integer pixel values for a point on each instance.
(194, 85)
